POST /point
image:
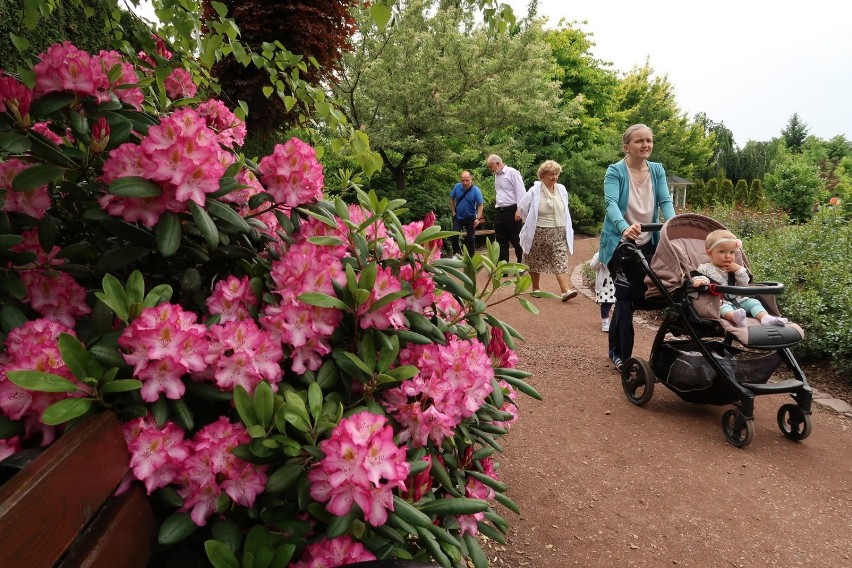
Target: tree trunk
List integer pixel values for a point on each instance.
(398, 170)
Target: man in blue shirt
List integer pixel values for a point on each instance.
(466, 206)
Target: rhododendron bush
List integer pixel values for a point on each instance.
(300, 381)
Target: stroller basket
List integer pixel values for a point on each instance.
(682, 366)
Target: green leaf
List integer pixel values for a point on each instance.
(284, 477)
(37, 176)
(114, 296)
(75, 356)
(205, 224)
(65, 410)
(245, 406)
(41, 381)
(322, 300)
(135, 288)
(219, 555)
(135, 186)
(381, 14)
(508, 503)
(480, 560)
(358, 362)
(263, 404)
(523, 386)
(315, 400)
(122, 385)
(158, 294)
(227, 532)
(326, 241)
(50, 103)
(21, 43)
(227, 214)
(176, 528)
(168, 233)
(118, 259)
(488, 480)
(182, 414)
(455, 506)
(11, 317)
(14, 142)
(528, 306)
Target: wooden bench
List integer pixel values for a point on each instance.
(58, 511)
(481, 235)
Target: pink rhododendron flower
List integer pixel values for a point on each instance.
(231, 130)
(10, 446)
(15, 97)
(475, 489)
(43, 129)
(55, 295)
(64, 67)
(362, 465)
(232, 299)
(100, 135)
(500, 353)
(34, 203)
(452, 384)
(292, 174)
(125, 85)
(156, 453)
(242, 354)
(389, 314)
(330, 553)
(163, 344)
(179, 84)
(34, 346)
(212, 468)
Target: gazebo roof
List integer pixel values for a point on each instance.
(672, 179)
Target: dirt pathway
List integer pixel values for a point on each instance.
(603, 483)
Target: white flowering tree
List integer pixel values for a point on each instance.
(302, 381)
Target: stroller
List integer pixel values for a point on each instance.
(698, 355)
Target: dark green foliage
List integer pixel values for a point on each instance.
(726, 192)
(812, 260)
(317, 30)
(796, 187)
(795, 134)
(67, 22)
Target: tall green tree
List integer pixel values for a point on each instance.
(434, 82)
(682, 146)
(795, 134)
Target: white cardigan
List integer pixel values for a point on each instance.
(528, 210)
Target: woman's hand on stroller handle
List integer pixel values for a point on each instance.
(633, 231)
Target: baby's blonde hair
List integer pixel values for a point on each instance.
(719, 236)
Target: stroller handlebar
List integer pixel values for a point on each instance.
(646, 228)
(772, 288)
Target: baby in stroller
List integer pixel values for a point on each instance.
(722, 246)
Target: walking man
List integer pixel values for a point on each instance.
(509, 186)
(466, 206)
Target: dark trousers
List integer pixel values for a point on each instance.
(469, 229)
(629, 280)
(507, 232)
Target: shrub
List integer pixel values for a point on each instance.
(812, 261)
(795, 186)
(293, 374)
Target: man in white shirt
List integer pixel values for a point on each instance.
(509, 186)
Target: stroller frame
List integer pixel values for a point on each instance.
(681, 320)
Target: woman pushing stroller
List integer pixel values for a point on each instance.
(722, 247)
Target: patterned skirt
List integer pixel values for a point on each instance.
(549, 251)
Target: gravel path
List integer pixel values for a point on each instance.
(603, 483)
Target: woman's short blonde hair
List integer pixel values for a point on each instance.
(548, 167)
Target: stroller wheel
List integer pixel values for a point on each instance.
(637, 380)
(794, 423)
(738, 429)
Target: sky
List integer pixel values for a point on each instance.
(748, 63)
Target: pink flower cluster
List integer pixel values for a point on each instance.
(34, 203)
(362, 465)
(501, 354)
(292, 174)
(64, 67)
(15, 97)
(52, 293)
(203, 468)
(452, 384)
(305, 329)
(475, 489)
(32, 346)
(329, 553)
(182, 155)
(388, 315)
(163, 344)
(242, 354)
(179, 84)
(230, 130)
(232, 299)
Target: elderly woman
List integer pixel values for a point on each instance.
(547, 237)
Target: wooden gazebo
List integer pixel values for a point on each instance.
(678, 187)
